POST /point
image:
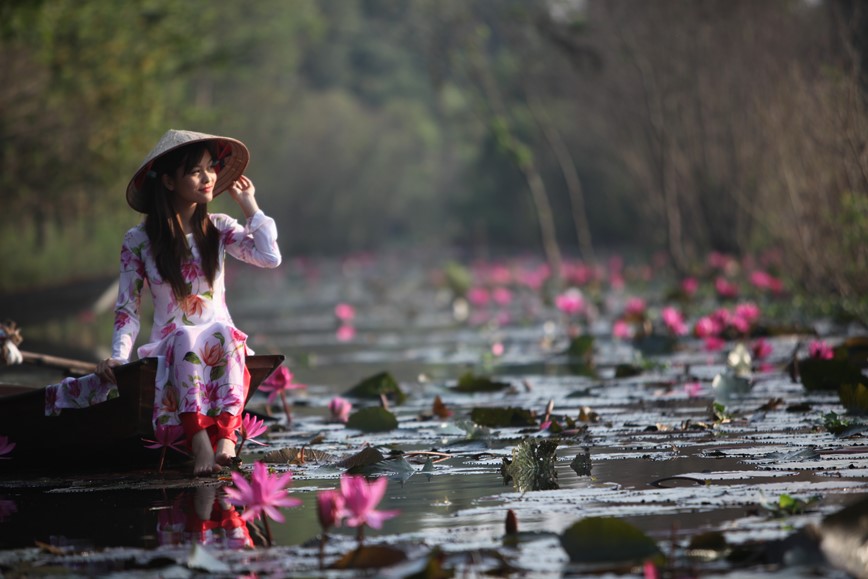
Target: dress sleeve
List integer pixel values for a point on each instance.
(255, 243)
(132, 279)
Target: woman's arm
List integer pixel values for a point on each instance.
(127, 322)
(255, 243)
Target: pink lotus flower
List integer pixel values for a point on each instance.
(820, 350)
(250, 428)
(6, 446)
(692, 389)
(749, 311)
(761, 349)
(361, 498)
(622, 330)
(329, 508)
(167, 436)
(497, 349)
(765, 281)
(713, 343)
(340, 409)
(706, 327)
(689, 286)
(345, 333)
(263, 495)
(281, 381)
(345, 312)
(725, 288)
(501, 296)
(478, 297)
(741, 324)
(278, 384)
(674, 321)
(635, 308)
(570, 302)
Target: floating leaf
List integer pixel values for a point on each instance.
(297, 456)
(818, 374)
(532, 467)
(469, 382)
(708, 546)
(607, 540)
(854, 397)
(374, 419)
(582, 463)
(376, 385)
(655, 344)
(397, 468)
(502, 417)
(439, 409)
(366, 456)
(627, 371)
(370, 557)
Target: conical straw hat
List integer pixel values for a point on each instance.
(232, 159)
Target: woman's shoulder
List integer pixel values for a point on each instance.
(136, 234)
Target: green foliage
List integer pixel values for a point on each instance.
(381, 384)
(374, 419)
(469, 382)
(507, 416)
(607, 540)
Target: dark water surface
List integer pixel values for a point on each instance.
(650, 429)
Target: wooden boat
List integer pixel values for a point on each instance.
(108, 434)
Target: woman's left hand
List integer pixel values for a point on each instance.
(244, 193)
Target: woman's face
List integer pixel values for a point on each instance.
(195, 185)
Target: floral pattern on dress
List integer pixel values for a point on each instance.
(195, 340)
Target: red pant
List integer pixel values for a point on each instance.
(223, 425)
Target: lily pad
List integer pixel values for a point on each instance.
(374, 419)
(854, 397)
(818, 374)
(370, 557)
(397, 468)
(375, 386)
(627, 370)
(507, 416)
(607, 540)
(469, 382)
(532, 467)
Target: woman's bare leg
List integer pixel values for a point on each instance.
(225, 451)
(203, 455)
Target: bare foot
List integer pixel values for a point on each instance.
(203, 455)
(225, 452)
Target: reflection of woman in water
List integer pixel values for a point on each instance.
(201, 517)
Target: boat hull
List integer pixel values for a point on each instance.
(107, 433)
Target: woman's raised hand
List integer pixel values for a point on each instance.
(244, 194)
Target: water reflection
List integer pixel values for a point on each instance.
(202, 516)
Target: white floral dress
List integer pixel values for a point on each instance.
(200, 353)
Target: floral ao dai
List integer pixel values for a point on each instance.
(200, 353)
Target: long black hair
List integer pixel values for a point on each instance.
(163, 225)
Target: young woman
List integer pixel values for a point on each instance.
(178, 253)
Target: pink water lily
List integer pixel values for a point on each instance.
(345, 312)
(361, 498)
(820, 350)
(278, 384)
(167, 436)
(6, 447)
(329, 508)
(761, 349)
(621, 329)
(340, 409)
(571, 302)
(345, 333)
(250, 428)
(674, 321)
(689, 285)
(263, 495)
